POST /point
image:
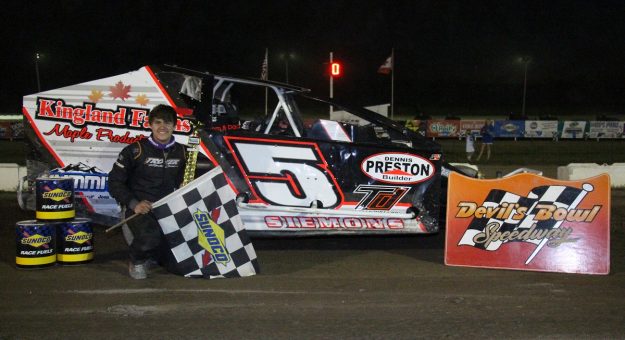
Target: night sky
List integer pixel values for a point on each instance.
(452, 57)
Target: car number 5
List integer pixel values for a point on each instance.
(289, 175)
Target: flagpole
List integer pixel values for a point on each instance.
(122, 222)
(331, 83)
(392, 83)
(266, 93)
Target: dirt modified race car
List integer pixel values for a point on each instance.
(291, 175)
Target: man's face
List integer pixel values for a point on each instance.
(162, 130)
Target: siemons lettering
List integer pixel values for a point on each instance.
(88, 113)
(298, 222)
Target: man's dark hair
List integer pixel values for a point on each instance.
(164, 112)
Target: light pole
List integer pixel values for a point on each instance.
(286, 57)
(331, 82)
(525, 60)
(37, 57)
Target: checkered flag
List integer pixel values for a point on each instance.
(204, 230)
(560, 196)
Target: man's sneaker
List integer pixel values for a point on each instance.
(137, 271)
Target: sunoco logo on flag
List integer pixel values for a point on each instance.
(211, 237)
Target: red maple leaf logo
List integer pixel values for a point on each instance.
(120, 91)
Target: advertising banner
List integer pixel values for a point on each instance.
(509, 128)
(529, 222)
(443, 128)
(541, 128)
(573, 129)
(605, 129)
(473, 126)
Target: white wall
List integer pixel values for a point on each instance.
(577, 171)
(10, 176)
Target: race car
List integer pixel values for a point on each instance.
(292, 175)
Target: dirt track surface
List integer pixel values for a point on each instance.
(331, 287)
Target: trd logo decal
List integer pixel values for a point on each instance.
(379, 197)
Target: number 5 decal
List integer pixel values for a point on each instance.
(286, 173)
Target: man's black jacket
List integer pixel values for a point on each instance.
(144, 171)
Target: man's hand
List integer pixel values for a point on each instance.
(143, 207)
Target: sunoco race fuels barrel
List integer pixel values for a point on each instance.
(35, 244)
(74, 241)
(54, 199)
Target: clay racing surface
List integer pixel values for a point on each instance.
(325, 287)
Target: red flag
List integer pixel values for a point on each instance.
(264, 72)
(387, 67)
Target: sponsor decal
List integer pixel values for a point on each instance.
(84, 181)
(325, 223)
(397, 168)
(79, 237)
(57, 194)
(88, 114)
(36, 240)
(379, 197)
(529, 222)
(211, 237)
(158, 162)
(89, 122)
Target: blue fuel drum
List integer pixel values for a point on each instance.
(74, 242)
(35, 244)
(54, 198)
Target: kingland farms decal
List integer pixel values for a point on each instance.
(529, 222)
(397, 168)
(91, 122)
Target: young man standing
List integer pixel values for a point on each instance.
(145, 172)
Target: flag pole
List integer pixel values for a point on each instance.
(266, 78)
(331, 82)
(121, 223)
(392, 83)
